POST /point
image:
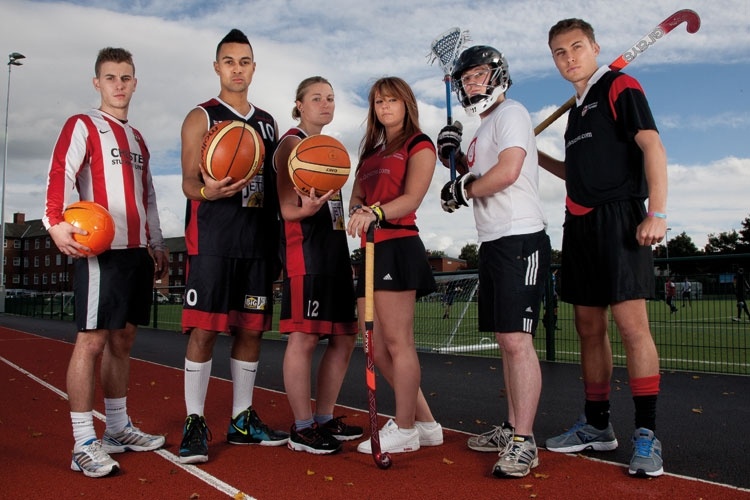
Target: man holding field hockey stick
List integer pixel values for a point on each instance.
(500, 173)
(614, 160)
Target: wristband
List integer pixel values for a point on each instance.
(379, 214)
(354, 209)
(203, 193)
(658, 215)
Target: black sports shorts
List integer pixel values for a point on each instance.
(113, 289)
(602, 262)
(512, 272)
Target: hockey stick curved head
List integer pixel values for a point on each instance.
(383, 460)
(688, 16)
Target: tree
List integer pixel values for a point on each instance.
(723, 243)
(470, 253)
(436, 253)
(682, 246)
(743, 246)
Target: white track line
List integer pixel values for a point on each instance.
(204, 476)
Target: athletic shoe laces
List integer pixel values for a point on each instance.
(96, 452)
(644, 446)
(576, 427)
(196, 432)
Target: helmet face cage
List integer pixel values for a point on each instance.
(499, 81)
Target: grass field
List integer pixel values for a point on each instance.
(702, 337)
(699, 337)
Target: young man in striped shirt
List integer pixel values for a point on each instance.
(100, 155)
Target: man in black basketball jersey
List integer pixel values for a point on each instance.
(232, 235)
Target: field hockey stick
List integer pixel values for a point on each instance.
(687, 16)
(446, 49)
(383, 460)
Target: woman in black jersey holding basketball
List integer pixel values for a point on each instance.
(318, 291)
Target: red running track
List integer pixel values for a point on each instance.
(37, 440)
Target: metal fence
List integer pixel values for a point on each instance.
(702, 335)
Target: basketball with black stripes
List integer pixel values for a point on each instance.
(319, 162)
(96, 221)
(232, 148)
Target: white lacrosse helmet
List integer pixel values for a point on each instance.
(498, 83)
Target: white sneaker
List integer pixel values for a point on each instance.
(131, 438)
(93, 461)
(393, 440)
(430, 433)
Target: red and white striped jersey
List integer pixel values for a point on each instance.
(106, 161)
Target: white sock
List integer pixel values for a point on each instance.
(426, 425)
(116, 410)
(243, 383)
(197, 376)
(83, 428)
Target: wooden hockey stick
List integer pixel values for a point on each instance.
(383, 460)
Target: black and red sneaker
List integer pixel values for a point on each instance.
(341, 431)
(315, 440)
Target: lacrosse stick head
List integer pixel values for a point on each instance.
(446, 48)
(497, 77)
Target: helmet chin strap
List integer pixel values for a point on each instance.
(485, 100)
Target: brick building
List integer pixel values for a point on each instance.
(32, 261)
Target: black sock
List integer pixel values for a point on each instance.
(645, 412)
(597, 413)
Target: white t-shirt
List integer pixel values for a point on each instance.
(517, 208)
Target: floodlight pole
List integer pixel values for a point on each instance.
(13, 60)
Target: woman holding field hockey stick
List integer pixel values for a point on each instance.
(317, 300)
(395, 169)
(614, 161)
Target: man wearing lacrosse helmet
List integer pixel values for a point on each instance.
(500, 173)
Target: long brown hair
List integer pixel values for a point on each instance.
(390, 86)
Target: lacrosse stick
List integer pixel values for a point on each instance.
(681, 16)
(446, 49)
(383, 460)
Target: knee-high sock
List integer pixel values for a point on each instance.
(197, 376)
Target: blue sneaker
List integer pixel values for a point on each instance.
(248, 428)
(583, 436)
(646, 460)
(195, 438)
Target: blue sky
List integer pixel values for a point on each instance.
(697, 84)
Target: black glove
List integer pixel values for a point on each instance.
(453, 194)
(449, 139)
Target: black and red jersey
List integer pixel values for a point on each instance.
(245, 225)
(603, 163)
(382, 178)
(316, 244)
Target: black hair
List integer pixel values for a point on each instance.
(234, 36)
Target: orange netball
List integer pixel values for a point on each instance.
(319, 162)
(97, 222)
(232, 148)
